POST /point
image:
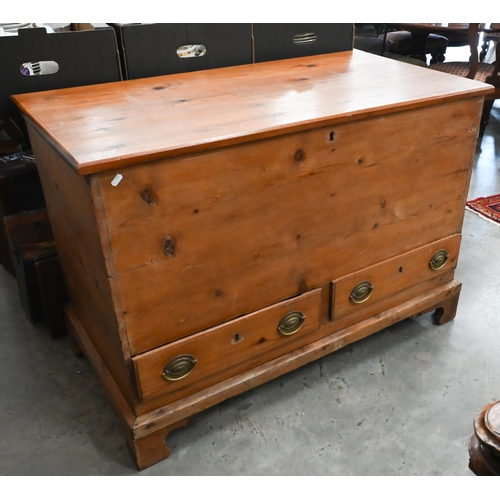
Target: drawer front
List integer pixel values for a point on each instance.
(373, 290)
(206, 358)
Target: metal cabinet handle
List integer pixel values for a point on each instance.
(361, 292)
(291, 323)
(179, 367)
(438, 260)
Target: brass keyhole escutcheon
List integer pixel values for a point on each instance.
(438, 260)
(291, 323)
(179, 367)
(361, 292)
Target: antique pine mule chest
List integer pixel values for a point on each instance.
(220, 228)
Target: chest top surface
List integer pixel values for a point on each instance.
(108, 126)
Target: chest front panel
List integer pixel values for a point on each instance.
(201, 239)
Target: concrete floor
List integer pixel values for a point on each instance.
(399, 403)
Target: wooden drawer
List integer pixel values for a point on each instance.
(225, 350)
(386, 284)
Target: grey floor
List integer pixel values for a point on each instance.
(399, 403)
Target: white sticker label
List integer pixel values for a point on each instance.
(117, 180)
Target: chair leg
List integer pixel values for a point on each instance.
(485, 117)
(484, 50)
(437, 57)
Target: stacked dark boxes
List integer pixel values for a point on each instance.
(27, 248)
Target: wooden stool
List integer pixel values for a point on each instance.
(484, 446)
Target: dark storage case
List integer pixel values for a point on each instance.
(274, 41)
(84, 58)
(151, 49)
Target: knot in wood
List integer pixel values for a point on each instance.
(169, 246)
(299, 155)
(147, 194)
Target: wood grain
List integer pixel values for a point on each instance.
(391, 277)
(154, 419)
(254, 226)
(228, 349)
(143, 424)
(114, 125)
(78, 242)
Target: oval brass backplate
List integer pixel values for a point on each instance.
(179, 367)
(438, 260)
(291, 323)
(361, 292)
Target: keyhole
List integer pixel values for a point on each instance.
(401, 270)
(332, 136)
(237, 338)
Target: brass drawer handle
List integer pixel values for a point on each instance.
(179, 367)
(361, 292)
(438, 260)
(291, 323)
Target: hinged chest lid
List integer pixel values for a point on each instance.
(107, 126)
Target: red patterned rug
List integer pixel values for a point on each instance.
(488, 208)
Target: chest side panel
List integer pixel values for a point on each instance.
(74, 222)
